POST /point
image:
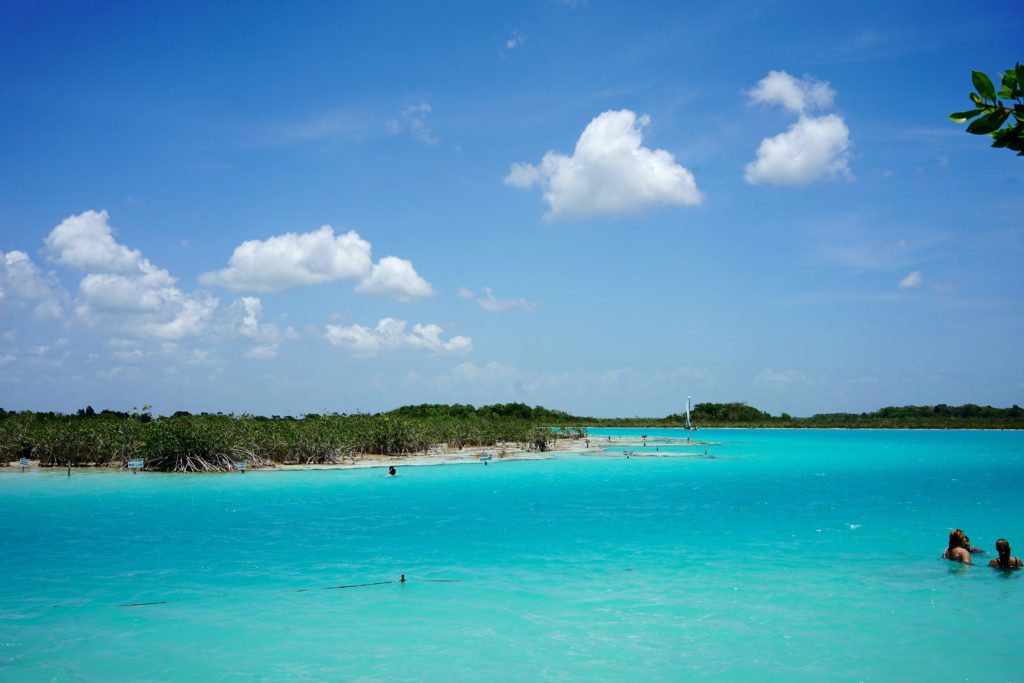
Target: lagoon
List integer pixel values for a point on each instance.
(800, 555)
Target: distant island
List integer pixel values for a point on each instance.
(211, 442)
(941, 416)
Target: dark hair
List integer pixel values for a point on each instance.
(956, 540)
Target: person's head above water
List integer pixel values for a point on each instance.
(957, 539)
(1005, 560)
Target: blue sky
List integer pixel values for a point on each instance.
(596, 206)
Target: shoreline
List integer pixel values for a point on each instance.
(465, 456)
(848, 429)
(595, 446)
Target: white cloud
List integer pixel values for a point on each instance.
(514, 41)
(244, 317)
(391, 334)
(122, 291)
(86, 242)
(812, 149)
(311, 258)
(183, 316)
(7, 359)
(50, 355)
(189, 356)
(248, 310)
(22, 283)
(293, 260)
(413, 120)
(912, 280)
(143, 305)
(489, 302)
(147, 290)
(610, 172)
(796, 94)
(264, 352)
(523, 175)
(395, 277)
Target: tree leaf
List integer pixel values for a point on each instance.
(1002, 138)
(988, 123)
(1020, 74)
(983, 84)
(961, 116)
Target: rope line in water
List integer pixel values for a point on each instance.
(306, 590)
(355, 585)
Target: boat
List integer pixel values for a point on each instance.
(688, 426)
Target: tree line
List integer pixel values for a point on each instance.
(216, 441)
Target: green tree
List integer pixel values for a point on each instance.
(992, 109)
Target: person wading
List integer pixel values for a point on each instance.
(1005, 560)
(956, 551)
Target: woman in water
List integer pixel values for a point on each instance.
(1005, 560)
(956, 551)
(970, 548)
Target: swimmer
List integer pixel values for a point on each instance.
(392, 471)
(1005, 560)
(402, 579)
(970, 548)
(956, 551)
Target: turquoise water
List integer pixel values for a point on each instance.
(788, 555)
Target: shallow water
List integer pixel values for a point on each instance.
(786, 555)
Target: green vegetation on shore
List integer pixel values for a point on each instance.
(214, 442)
(211, 443)
(968, 416)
